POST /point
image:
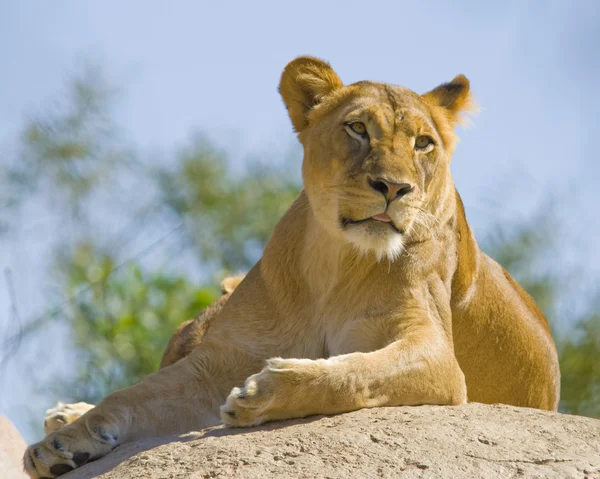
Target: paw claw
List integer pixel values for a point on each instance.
(249, 405)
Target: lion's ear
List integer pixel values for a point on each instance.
(455, 97)
(304, 83)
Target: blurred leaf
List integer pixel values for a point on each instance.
(580, 368)
(229, 217)
(123, 321)
(71, 149)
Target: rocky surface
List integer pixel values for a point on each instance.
(408, 442)
(12, 447)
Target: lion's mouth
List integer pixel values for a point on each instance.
(381, 218)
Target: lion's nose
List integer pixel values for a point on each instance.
(389, 189)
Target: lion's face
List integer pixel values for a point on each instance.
(376, 156)
(370, 164)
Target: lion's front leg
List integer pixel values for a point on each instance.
(174, 400)
(409, 371)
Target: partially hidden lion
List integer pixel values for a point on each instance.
(372, 291)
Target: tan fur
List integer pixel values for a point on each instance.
(63, 414)
(352, 311)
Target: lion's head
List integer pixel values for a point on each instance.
(376, 156)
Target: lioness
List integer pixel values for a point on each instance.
(372, 290)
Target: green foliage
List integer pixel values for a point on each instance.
(229, 218)
(580, 368)
(121, 320)
(74, 147)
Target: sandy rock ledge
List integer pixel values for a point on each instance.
(12, 447)
(472, 441)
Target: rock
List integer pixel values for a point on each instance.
(468, 441)
(12, 447)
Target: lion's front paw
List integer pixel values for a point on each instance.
(70, 447)
(274, 393)
(64, 414)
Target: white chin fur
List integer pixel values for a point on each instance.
(388, 247)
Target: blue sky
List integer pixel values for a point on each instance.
(214, 67)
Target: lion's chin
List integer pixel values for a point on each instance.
(385, 243)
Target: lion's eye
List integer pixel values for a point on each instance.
(358, 127)
(422, 142)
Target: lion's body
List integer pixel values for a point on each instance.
(372, 290)
(501, 339)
